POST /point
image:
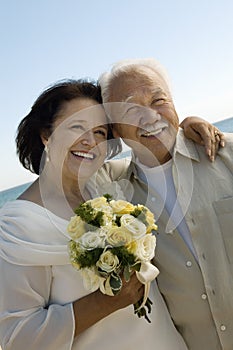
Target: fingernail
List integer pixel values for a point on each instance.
(212, 158)
(222, 143)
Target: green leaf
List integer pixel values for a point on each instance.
(124, 256)
(89, 215)
(126, 273)
(115, 283)
(108, 197)
(136, 267)
(88, 258)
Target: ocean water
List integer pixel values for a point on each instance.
(12, 193)
(225, 125)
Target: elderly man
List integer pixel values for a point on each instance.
(191, 197)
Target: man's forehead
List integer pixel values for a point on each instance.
(125, 112)
(152, 90)
(126, 87)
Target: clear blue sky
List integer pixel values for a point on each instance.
(43, 41)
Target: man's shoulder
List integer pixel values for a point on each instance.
(193, 150)
(226, 153)
(229, 140)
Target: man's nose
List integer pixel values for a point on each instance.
(150, 116)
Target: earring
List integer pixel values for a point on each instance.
(46, 149)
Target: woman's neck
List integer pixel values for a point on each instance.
(60, 196)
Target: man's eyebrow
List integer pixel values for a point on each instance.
(157, 91)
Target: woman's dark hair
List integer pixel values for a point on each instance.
(43, 114)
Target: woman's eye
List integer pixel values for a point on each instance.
(101, 132)
(77, 127)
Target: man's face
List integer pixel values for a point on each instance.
(147, 120)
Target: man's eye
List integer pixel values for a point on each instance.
(131, 110)
(159, 101)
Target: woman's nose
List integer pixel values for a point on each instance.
(89, 139)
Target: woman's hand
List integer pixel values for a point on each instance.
(95, 306)
(204, 133)
(131, 292)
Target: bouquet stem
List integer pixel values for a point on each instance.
(141, 311)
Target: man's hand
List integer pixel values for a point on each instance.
(204, 133)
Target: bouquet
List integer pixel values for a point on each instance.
(109, 241)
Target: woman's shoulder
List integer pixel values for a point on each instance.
(17, 207)
(27, 218)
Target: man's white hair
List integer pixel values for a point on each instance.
(124, 66)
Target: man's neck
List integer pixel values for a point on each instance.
(152, 162)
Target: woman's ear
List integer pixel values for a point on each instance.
(44, 137)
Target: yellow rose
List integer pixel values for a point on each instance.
(132, 247)
(150, 219)
(74, 250)
(101, 204)
(121, 207)
(76, 227)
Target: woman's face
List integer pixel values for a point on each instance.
(78, 144)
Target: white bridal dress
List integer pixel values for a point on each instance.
(38, 286)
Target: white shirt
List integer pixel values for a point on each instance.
(161, 180)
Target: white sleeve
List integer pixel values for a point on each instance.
(27, 320)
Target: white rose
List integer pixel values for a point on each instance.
(108, 262)
(91, 280)
(76, 227)
(93, 239)
(133, 225)
(118, 236)
(145, 247)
